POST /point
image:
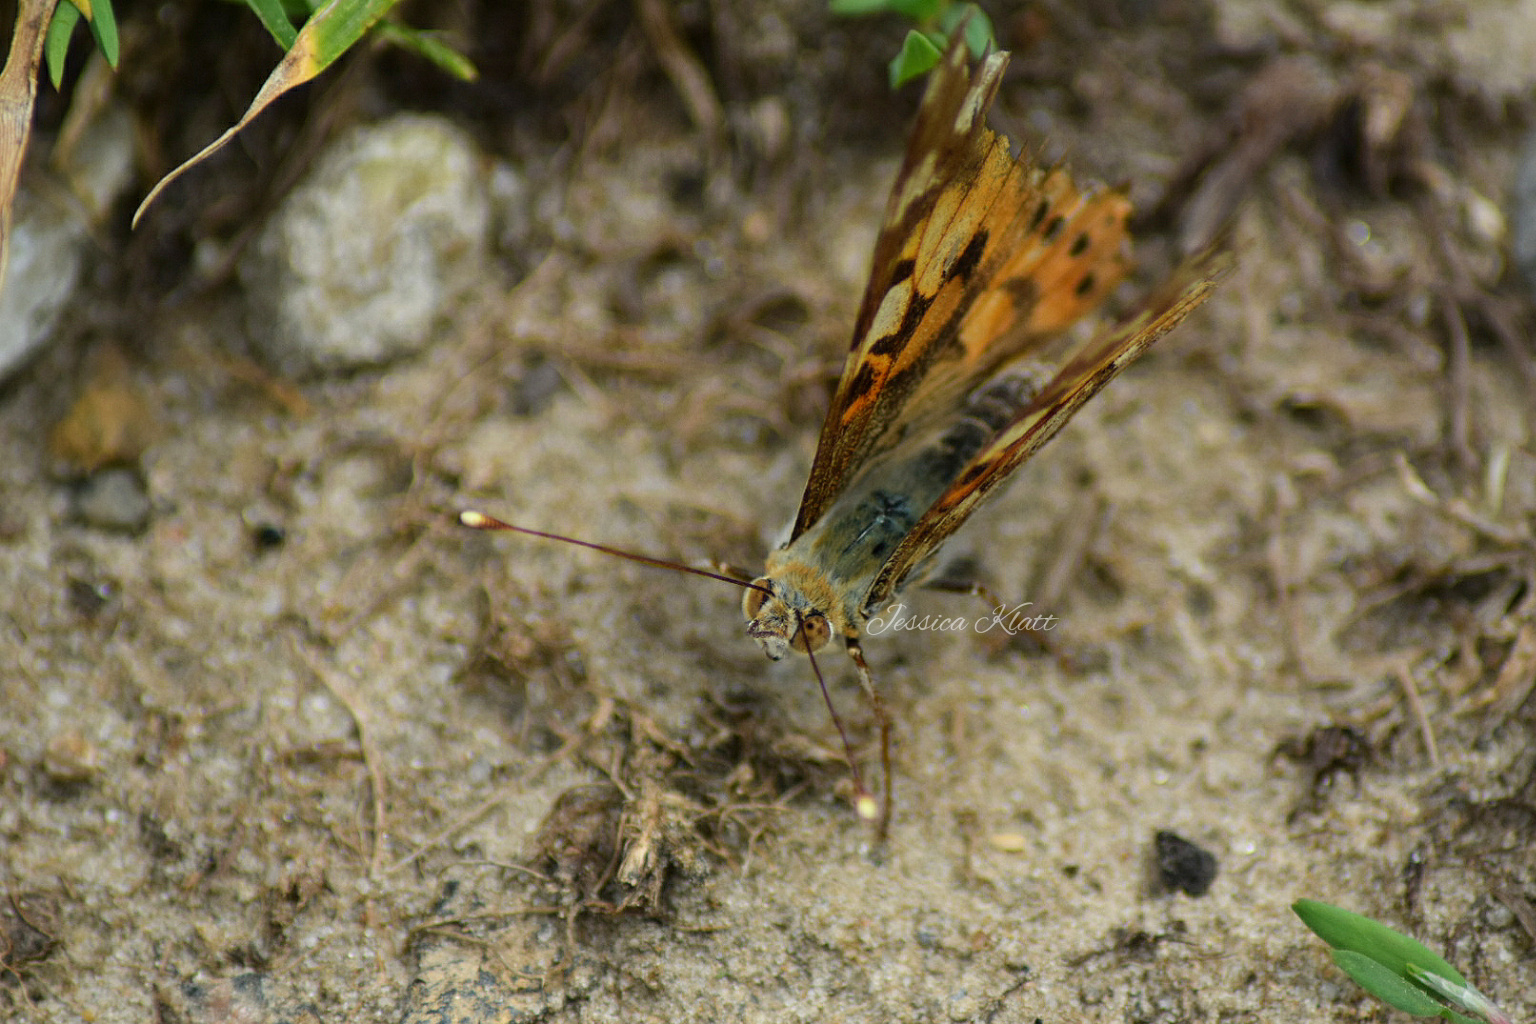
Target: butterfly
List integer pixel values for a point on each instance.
(961, 367)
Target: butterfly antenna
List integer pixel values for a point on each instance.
(481, 521)
(866, 805)
(864, 802)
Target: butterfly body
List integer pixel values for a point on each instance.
(960, 367)
(830, 570)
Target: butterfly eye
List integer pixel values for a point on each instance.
(814, 633)
(752, 601)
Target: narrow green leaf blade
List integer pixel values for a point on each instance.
(335, 27)
(918, 54)
(56, 47)
(920, 11)
(1381, 982)
(1343, 929)
(858, 8)
(428, 45)
(979, 37)
(104, 28)
(274, 18)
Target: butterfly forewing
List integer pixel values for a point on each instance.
(1081, 377)
(983, 258)
(950, 172)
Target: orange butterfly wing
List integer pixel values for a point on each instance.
(983, 258)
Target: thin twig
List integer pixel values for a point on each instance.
(343, 690)
(1456, 508)
(1459, 383)
(442, 836)
(1279, 559)
(1416, 708)
(685, 70)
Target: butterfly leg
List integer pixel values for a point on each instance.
(867, 681)
(972, 588)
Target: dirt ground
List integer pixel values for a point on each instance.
(306, 750)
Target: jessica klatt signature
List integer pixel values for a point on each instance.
(1012, 621)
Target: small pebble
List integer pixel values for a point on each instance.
(1183, 866)
(113, 499)
(47, 248)
(70, 758)
(51, 236)
(267, 536)
(964, 1006)
(1498, 917)
(1008, 842)
(110, 423)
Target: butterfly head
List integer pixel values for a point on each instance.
(780, 618)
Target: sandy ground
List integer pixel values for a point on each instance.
(381, 768)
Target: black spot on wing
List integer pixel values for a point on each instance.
(863, 380)
(1053, 228)
(890, 344)
(1080, 244)
(1022, 290)
(905, 378)
(1086, 284)
(1039, 216)
(965, 266)
(902, 271)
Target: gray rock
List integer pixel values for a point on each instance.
(50, 236)
(113, 499)
(1522, 213)
(47, 247)
(356, 264)
(98, 165)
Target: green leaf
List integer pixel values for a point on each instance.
(921, 11)
(337, 25)
(274, 18)
(56, 47)
(858, 8)
(979, 37)
(428, 45)
(918, 54)
(325, 36)
(1345, 930)
(104, 28)
(1383, 983)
